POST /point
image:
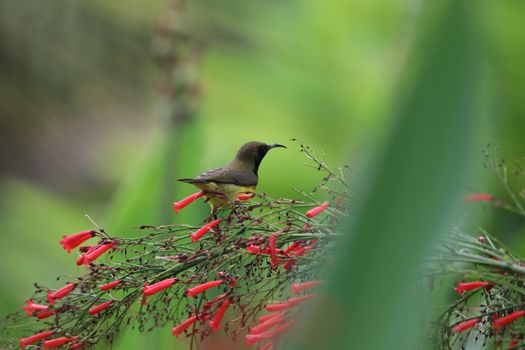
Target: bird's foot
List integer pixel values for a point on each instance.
(219, 195)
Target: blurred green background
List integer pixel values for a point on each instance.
(103, 104)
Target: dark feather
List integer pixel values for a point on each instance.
(229, 175)
(242, 171)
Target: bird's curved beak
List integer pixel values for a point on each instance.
(274, 145)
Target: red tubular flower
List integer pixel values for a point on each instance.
(267, 317)
(463, 326)
(85, 248)
(300, 251)
(157, 287)
(73, 241)
(245, 196)
(285, 328)
(55, 343)
(183, 326)
(277, 307)
(34, 338)
(295, 245)
(254, 249)
(60, 293)
(267, 346)
(89, 249)
(92, 255)
(80, 260)
(215, 324)
(30, 307)
(288, 264)
(301, 287)
(273, 252)
(478, 197)
(467, 286)
(110, 285)
(195, 236)
(210, 303)
(500, 322)
(298, 300)
(45, 314)
(76, 346)
(513, 342)
(178, 206)
(97, 308)
(267, 324)
(317, 210)
(252, 339)
(202, 287)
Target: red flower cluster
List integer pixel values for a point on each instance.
(214, 324)
(278, 322)
(297, 248)
(264, 331)
(255, 249)
(271, 326)
(71, 242)
(43, 311)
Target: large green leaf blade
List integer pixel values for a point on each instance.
(412, 192)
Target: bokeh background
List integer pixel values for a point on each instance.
(104, 103)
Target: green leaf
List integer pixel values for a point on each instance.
(412, 192)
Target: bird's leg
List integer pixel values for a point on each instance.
(219, 195)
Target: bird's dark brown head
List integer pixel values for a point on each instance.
(253, 152)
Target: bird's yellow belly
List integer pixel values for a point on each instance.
(223, 195)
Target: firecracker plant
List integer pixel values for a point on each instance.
(489, 308)
(247, 272)
(250, 271)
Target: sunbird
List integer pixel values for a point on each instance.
(222, 186)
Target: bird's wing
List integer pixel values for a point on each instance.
(228, 176)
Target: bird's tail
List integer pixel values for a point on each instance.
(191, 181)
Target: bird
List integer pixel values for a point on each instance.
(222, 186)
